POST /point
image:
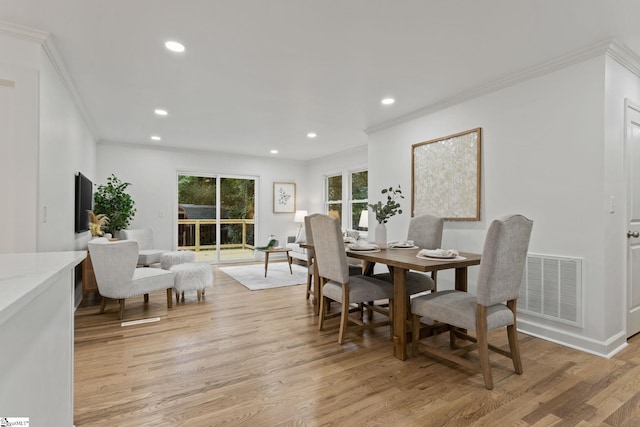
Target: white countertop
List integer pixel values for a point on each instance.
(24, 276)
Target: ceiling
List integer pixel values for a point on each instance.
(261, 74)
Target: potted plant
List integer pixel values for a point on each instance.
(113, 201)
(384, 212)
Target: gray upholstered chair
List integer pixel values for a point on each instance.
(338, 285)
(117, 277)
(147, 255)
(354, 269)
(426, 233)
(503, 261)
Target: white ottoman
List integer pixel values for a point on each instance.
(169, 259)
(191, 276)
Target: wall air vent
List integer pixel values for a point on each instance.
(552, 289)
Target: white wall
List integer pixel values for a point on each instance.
(66, 148)
(153, 175)
(43, 143)
(542, 156)
(18, 144)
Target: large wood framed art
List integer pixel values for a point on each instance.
(445, 177)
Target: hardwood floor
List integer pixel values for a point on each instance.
(256, 358)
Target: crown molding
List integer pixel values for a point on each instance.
(21, 32)
(625, 57)
(51, 51)
(610, 47)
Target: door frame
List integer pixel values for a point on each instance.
(217, 177)
(628, 105)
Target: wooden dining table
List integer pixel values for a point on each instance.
(401, 261)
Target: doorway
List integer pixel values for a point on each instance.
(216, 216)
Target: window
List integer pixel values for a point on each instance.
(346, 196)
(334, 196)
(359, 197)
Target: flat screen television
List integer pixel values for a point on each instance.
(84, 202)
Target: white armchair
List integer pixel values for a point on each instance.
(147, 255)
(117, 277)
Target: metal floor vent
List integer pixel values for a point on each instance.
(552, 289)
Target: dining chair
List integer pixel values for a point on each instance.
(501, 269)
(338, 285)
(354, 269)
(117, 277)
(426, 233)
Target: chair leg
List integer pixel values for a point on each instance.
(323, 311)
(182, 296)
(169, 298)
(103, 304)
(415, 333)
(308, 285)
(121, 308)
(512, 333)
(344, 314)
(146, 297)
(177, 297)
(199, 294)
(483, 345)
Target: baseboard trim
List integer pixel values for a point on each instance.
(606, 349)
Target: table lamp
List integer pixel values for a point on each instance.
(364, 219)
(299, 218)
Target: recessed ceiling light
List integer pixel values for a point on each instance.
(311, 135)
(388, 101)
(274, 151)
(156, 138)
(174, 46)
(160, 112)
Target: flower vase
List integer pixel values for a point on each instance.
(381, 235)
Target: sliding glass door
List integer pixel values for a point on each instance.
(216, 216)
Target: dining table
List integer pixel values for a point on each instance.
(401, 260)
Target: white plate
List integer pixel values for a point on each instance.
(403, 246)
(363, 248)
(436, 256)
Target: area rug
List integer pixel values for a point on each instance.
(278, 275)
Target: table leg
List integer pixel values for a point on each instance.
(289, 261)
(461, 279)
(266, 262)
(399, 313)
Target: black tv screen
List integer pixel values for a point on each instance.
(84, 202)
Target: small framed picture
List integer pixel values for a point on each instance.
(284, 197)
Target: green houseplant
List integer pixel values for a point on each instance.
(113, 201)
(385, 211)
(390, 208)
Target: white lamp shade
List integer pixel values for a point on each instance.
(364, 219)
(299, 216)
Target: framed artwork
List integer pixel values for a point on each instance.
(445, 177)
(284, 197)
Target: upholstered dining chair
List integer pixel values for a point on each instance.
(354, 269)
(338, 285)
(117, 277)
(501, 269)
(426, 233)
(147, 255)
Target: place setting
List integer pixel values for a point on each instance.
(363, 247)
(440, 254)
(402, 244)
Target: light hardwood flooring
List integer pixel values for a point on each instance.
(256, 358)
